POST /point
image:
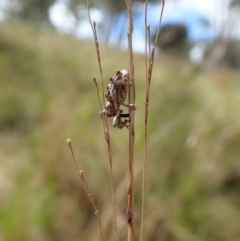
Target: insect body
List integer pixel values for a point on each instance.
(118, 86)
(116, 96)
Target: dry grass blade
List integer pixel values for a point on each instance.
(105, 123)
(149, 66)
(88, 192)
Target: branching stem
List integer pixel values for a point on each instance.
(105, 123)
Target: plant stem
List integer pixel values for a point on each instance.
(149, 60)
(131, 100)
(88, 192)
(105, 123)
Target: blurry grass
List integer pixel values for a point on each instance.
(47, 95)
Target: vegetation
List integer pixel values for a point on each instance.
(47, 95)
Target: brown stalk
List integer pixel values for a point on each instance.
(89, 193)
(148, 66)
(98, 95)
(105, 123)
(131, 100)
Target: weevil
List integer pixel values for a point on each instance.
(116, 96)
(118, 87)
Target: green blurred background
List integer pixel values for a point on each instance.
(47, 95)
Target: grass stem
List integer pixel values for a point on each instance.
(88, 192)
(105, 123)
(148, 66)
(131, 100)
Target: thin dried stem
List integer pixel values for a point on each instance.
(88, 192)
(90, 196)
(151, 60)
(131, 100)
(93, 26)
(145, 134)
(146, 39)
(107, 137)
(148, 66)
(105, 122)
(159, 24)
(147, 51)
(98, 95)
